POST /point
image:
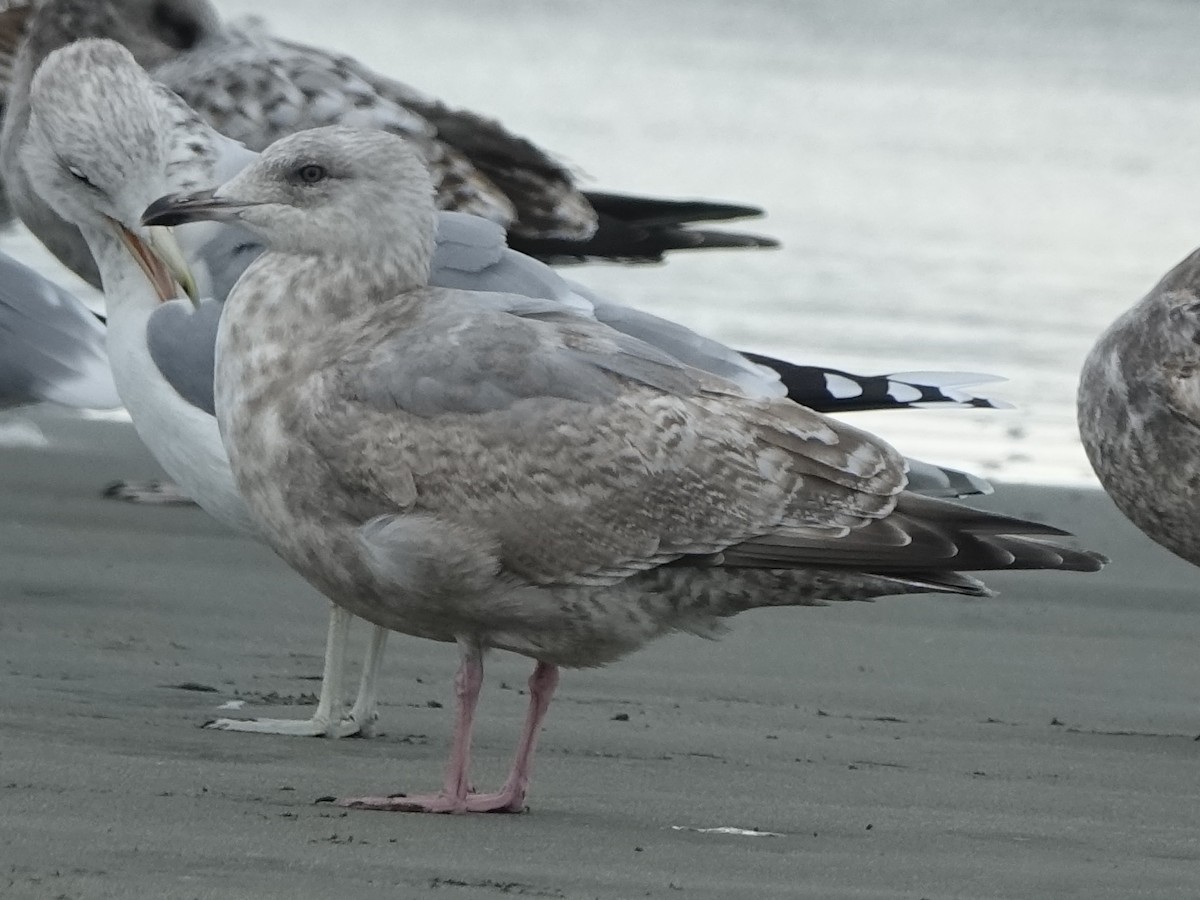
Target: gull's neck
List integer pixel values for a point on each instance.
(288, 311)
(183, 438)
(127, 290)
(316, 292)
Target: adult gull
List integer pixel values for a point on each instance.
(94, 170)
(496, 471)
(255, 88)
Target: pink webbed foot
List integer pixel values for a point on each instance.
(499, 802)
(456, 795)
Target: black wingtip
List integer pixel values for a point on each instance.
(644, 230)
(617, 242)
(810, 386)
(650, 212)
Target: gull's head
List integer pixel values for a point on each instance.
(104, 140)
(342, 194)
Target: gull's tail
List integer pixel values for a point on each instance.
(834, 390)
(644, 229)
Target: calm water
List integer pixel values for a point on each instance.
(978, 186)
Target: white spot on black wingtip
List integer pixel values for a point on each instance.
(842, 388)
(904, 393)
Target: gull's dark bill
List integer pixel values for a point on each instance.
(180, 209)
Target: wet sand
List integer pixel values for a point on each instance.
(1040, 744)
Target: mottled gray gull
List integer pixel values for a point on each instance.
(148, 143)
(1139, 411)
(495, 471)
(51, 344)
(256, 88)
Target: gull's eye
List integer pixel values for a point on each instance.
(311, 173)
(78, 175)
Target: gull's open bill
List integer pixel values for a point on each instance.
(162, 259)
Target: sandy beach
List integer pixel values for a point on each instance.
(1040, 744)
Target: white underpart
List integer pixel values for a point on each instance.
(183, 439)
(187, 444)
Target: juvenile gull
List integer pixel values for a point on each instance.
(1139, 411)
(496, 471)
(90, 167)
(256, 88)
(51, 344)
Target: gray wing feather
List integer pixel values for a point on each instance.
(220, 259)
(182, 343)
(691, 348)
(52, 347)
(515, 348)
(940, 481)
(468, 243)
(591, 455)
(472, 254)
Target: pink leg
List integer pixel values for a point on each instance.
(456, 784)
(456, 795)
(511, 797)
(468, 681)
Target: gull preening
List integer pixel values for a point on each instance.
(496, 471)
(103, 140)
(255, 88)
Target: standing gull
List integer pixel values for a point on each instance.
(1139, 411)
(495, 471)
(256, 88)
(95, 170)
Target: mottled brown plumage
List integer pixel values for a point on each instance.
(1139, 411)
(497, 471)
